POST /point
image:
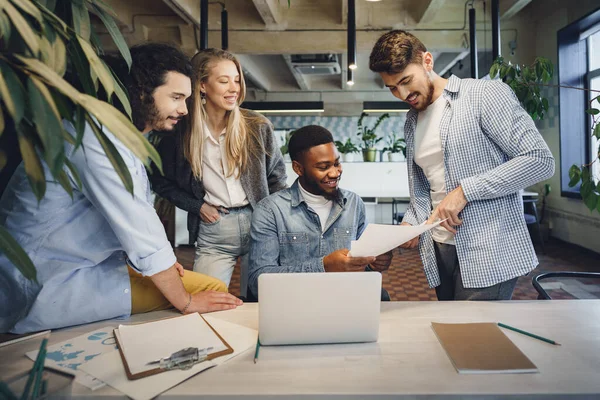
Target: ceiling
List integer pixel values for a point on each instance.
(265, 34)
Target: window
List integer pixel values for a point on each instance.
(593, 83)
(578, 66)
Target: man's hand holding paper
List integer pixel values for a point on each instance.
(379, 239)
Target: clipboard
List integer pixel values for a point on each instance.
(158, 370)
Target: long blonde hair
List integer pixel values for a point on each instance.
(241, 129)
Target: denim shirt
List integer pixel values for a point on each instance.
(79, 245)
(286, 235)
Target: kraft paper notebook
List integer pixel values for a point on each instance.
(481, 348)
(140, 344)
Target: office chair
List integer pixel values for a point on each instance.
(543, 295)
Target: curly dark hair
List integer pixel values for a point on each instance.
(150, 64)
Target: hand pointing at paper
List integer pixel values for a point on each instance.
(449, 208)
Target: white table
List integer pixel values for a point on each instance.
(407, 362)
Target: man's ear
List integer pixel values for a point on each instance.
(428, 61)
(298, 168)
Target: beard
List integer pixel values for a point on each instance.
(146, 113)
(313, 186)
(428, 97)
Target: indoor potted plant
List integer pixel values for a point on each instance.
(285, 151)
(396, 148)
(347, 149)
(369, 137)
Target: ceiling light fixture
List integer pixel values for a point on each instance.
(351, 34)
(385, 106)
(350, 74)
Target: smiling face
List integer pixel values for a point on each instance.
(319, 170)
(413, 84)
(222, 86)
(169, 102)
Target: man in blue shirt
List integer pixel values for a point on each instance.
(82, 246)
(309, 226)
(470, 149)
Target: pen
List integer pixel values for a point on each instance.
(256, 351)
(543, 339)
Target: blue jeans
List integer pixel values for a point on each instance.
(219, 244)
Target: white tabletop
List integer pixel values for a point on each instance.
(407, 361)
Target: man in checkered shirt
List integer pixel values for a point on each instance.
(470, 149)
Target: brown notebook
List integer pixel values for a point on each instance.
(228, 350)
(481, 348)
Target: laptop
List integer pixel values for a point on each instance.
(313, 308)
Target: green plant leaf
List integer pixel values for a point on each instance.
(82, 68)
(31, 161)
(79, 124)
(20, 23)
(574, 175)
(5, 29)
(97, 66)
(116, 122)
(47, 122)
(15, 253)
(114, 32)
(29, 8)
(591, 201)
(11, 92)
(64, 181)
(593, 111)
(81, 19)
(113, 155)
(120, 92)
(597, 131)
(74, 173)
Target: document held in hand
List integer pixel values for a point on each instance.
(378, 239)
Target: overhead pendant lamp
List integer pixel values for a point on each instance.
(351, 35)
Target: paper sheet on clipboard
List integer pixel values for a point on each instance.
(378, 239)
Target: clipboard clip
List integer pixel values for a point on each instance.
(183, 359)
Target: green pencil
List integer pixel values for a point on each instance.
(256, 351)
(543, 339)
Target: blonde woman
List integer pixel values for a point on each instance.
(225, 160)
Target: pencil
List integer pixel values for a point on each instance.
(256, 351)
(543, 339)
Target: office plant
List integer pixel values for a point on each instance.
(526, 82)
(369, 137)
(396, 147)
(41, 43)
(346, 149)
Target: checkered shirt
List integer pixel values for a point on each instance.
(492, 149)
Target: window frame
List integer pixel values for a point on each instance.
(572, 68)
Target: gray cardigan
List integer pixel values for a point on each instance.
(264, 175)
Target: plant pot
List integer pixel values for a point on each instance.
(369, 155)
(348, 157)
(395, 157)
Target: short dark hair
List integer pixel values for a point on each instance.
(150, 64)
(307, 137)
(394, 51)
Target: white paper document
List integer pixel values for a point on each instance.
(109, 367)
(378, 239)
(143, 343)
(69, 355)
